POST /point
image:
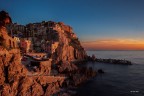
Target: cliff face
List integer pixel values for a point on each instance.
(54, 38)
(11, 68)
(11, 71)
(65, 44)
(15, 79)
(62, 46)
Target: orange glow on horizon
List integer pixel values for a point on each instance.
(114, 44)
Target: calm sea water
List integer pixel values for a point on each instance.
(119, 80)
(134, 56)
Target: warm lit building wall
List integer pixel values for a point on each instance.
(25, 45)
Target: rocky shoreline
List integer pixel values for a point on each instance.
(76, 75)
(114, 61)
(108, 61)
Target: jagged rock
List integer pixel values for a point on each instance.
(51, 89)
(29, 87)
(66, 67)
(45, 67)
(11, 72)
(10, 67)
(37, 89)
(81, 75)
(6, 90)
(2, 76)
(24, 87)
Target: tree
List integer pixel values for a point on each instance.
(4, 18)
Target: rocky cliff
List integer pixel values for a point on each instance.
(51, 37)
(55, 39)
(68, 46)
(15, 81)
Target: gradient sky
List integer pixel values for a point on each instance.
(99, 24)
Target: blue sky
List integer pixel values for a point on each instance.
(91, 20)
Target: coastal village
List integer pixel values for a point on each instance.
(36, 42)
(39, 59)
(35, 36)
(43, 59)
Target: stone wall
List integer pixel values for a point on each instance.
(45, 67)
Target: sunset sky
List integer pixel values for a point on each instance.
(99, 24)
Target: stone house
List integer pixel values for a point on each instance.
(15, 29)
(25, 45)
(43, 66)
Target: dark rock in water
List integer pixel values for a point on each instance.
(114, 61)
(93, 57)
(100, 71)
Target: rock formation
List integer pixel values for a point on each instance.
(69, 47)
(57, 39)
(14, 79)
(59, 42)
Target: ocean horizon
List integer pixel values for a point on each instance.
(135, 56)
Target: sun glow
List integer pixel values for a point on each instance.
(114, 44)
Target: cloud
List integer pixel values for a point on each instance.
(114, 44)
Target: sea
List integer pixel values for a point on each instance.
(118, 80)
